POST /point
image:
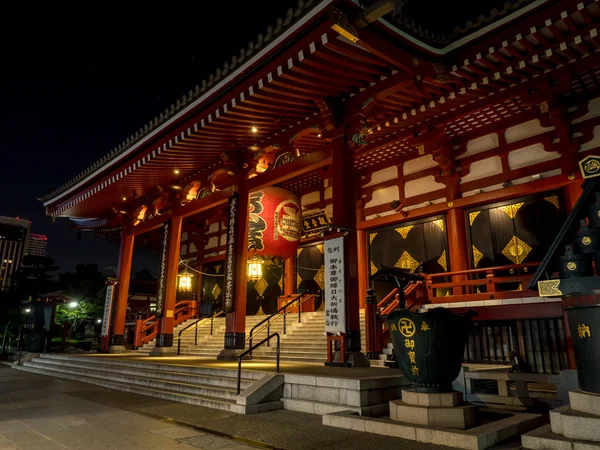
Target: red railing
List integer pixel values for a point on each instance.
(492, 283)
(145, 330)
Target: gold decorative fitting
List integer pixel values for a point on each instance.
(549, 288)
(590, 166)
(298, 280)
(516, 250)
(342, 25)
(571, 177)
(299, 251)
(473, 216)
(511, 210)
(553, 200)
(439, 224)
(583, 331)
(404, 231)
(371, 237)
(477, 255)
(442, 261)
(320, 277)
(373, 268)
(216, 291)
(450, 204)
(421, 149)
(571, 266)
(218, 268)
(321, 248)
(544, 108)
(586, 240)
(280, 283)
(261, 286)
(407, 262)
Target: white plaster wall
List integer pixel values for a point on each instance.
(213, 227)
(183, 249)
(424, 204)
(389, 173)
(525, 130)
(309, 198)
(192, 248)
(550, 173)
(385, 195)
(481, 144)
(224, 239)
(593, 110)
(329, 209)
(484, 168)
(184, 236)
(383, 214)
(417, 164)
(421, 186)
(527, 156)
(494, 187)
(212, 242)
(328, 193)
(594, 142)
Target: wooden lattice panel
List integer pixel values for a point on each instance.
(387, 153)
(306, 183)
(486, 116)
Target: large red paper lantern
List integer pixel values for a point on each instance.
(275, 223)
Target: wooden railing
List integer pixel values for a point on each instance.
(145, 330)
(491, 283)
(414, 294)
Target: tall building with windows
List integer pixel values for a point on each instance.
(13, 244)
(36, 244)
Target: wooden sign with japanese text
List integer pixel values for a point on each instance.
(108, 302)
(335, 301)
(230, 254)
(162, 276)
(315, 222)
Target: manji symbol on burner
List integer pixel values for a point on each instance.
(406, 327)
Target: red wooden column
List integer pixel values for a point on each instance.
(117, 340)
(457, 244)
(237, 256)
(344, 181)
(289, 281)
(572, 193)
(164, 337)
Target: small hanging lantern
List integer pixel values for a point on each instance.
(184, 282)
(254, 268)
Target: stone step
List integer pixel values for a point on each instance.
(198, 400)
(141, 381)
(544, 438)
(575, 424)
(182, 377)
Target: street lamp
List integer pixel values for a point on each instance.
(99, 321)
(27, 310)
(73, 305)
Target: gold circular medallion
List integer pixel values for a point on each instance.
(406, 327)
(598, 213)
(571, 265)
(450, 204)
(586, 240)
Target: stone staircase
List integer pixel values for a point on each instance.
(147, 348)
(201, 386)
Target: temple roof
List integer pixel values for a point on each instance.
(196, 96)
(440, 23)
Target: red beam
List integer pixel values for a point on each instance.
(551, 310)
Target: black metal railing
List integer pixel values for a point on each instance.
(277, 315)
(540, 342)
(249, 352)
(197, 323)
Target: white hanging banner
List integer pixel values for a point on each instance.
(335, 301)
(110, 293)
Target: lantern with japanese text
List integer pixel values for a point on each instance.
(274, 224)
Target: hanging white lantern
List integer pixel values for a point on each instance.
(254, 269)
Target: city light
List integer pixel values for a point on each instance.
(99, 321)
(73, 305)
(27, 310)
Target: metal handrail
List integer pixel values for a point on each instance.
(183, 332)
(249, 351)
(267, 322)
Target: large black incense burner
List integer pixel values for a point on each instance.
(576, 254)
(429, 346)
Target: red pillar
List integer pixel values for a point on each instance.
(235, 331)
(289, 281)
(164, 337)
(117, 342)
(344, 182)
(457, 245)
(572, 193)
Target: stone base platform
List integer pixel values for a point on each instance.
(572, 427)
(440, 419)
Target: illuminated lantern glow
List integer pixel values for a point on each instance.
(190, 192)
(275, 223)
(184, 283)
(254, 269)
(139, 215)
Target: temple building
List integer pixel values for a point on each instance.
(347, 137)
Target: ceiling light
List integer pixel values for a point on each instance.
(124, 198)
(319, 135)
(176, 171)
(254, 129)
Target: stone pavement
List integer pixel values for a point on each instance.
(41, 412)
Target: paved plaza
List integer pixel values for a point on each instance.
(41, 412)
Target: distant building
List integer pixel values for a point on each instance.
(13, 243)
(36, 244)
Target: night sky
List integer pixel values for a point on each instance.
(75, 82)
